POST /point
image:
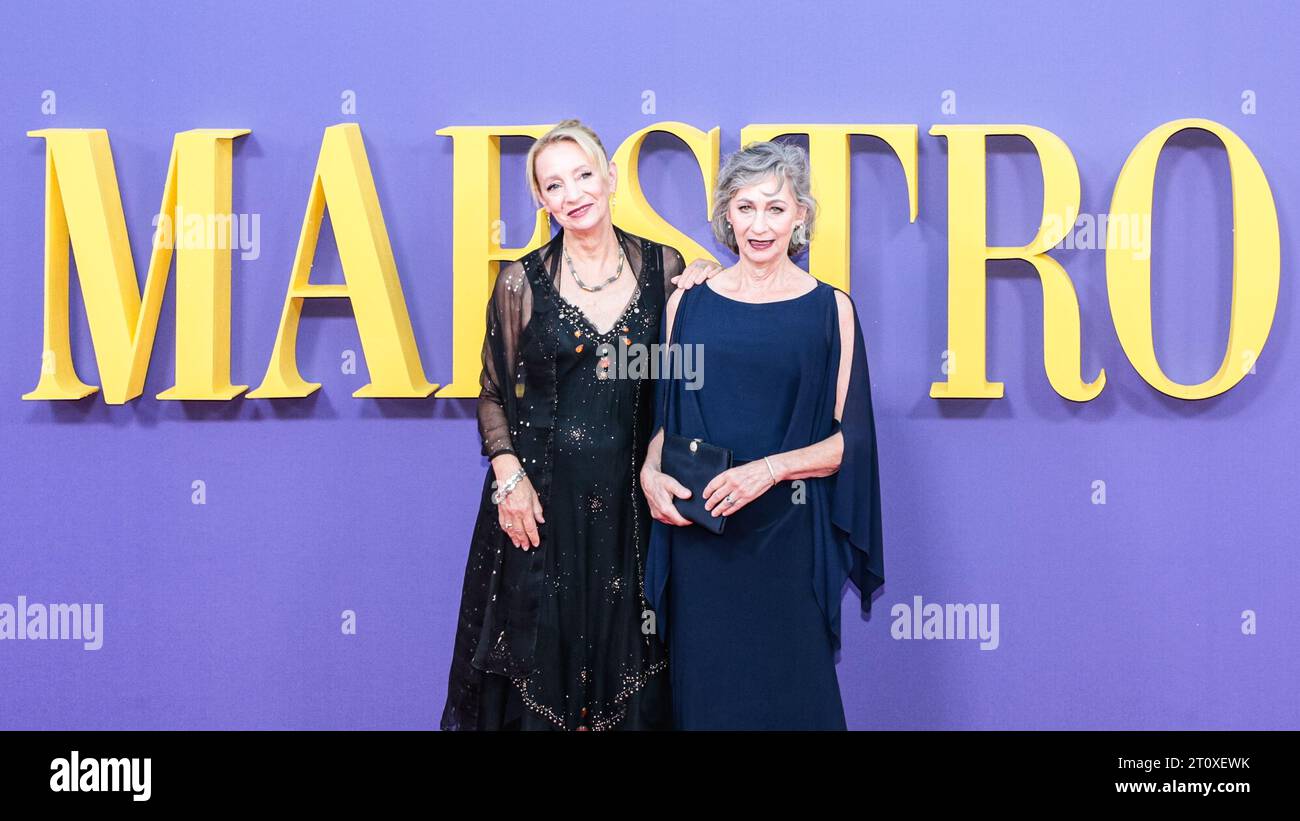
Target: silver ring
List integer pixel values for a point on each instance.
(729, 499)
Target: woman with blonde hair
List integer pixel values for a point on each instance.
(551, 633)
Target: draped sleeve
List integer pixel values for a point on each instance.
(508, 312)
(855, 497)
(659, 556)
(673, 266)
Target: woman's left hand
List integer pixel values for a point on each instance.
(744, 483)
(695, 273)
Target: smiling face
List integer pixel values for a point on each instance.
(573, 190)
(763, 217)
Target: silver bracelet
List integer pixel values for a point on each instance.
(769, 470)
(499, 495)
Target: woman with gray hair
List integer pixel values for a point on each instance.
(751, 614)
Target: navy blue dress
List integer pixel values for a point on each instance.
(751, 617)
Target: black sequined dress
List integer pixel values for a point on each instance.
(561, 636)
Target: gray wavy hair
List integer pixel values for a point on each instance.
(755, 163)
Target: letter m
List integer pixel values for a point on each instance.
(83, 208)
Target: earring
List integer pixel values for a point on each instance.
(800, 234)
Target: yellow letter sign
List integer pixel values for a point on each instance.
(1256, 262)
(476, 251)
(968, 251)
(84, 206)
(343, 181)
(828, 154)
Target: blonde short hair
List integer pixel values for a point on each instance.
(574, 131)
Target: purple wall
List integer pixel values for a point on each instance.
(226, 615)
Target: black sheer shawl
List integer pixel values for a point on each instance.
(509, 314)
(497, 626)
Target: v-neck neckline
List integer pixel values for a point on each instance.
(636, 293)
(632, 300)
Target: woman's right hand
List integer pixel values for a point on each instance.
(660, 489)
(519, 513)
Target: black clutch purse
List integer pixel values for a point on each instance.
(694, 463)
